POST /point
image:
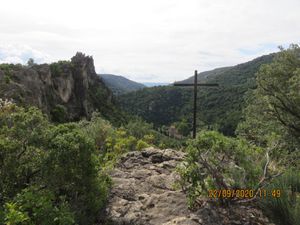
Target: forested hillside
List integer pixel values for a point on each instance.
(120, 85)
(220, 107)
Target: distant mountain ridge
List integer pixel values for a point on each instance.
(204, 76)
(219, 107)
(233, 75)
(155, 84)
(119, 84)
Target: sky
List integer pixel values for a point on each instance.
(147, 40)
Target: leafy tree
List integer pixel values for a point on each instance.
(183, 127)
(21, 152)
(273, 115)
(272, 120)
(30, 62)
(139, 128)
(70, 170)
(97, 129)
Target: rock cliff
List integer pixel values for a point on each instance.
(143, 194)
(69, 89)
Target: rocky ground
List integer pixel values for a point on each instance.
(143, 194)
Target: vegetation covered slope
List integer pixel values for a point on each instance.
(217, 107)
(65, 90)
(120, 85)
(57, 173)
(265, 156)
(204, 76)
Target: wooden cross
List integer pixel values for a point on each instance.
(195, 84)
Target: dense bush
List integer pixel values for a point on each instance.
(146, 132)
(7, 70)
(183, 127)
(38, 206)
(49, 174)
(214, 161)
(113, 142)
(59, 114)
(70, 169)
(284, 209)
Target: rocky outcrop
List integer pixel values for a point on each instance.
(143, 194)
(71, 86)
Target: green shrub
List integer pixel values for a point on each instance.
(145, 131)
(7, 79)
(71, 169)
(141, 145)
(21, 148)
(59, 114)
(116, 144)
(183, 127)
(37, 206)
(48, 170)
(149, 138)
(57, 68)
(111, 142)
(284, 209)
(97, 129)
(214, 161)
(7, 69)
(138, 128)
(13, 215)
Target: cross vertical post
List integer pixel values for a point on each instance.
(195, 84)
(195, 104)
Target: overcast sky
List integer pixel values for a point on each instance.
(147, 40)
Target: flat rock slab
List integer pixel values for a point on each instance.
(143, 193)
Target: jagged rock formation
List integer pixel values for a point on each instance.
(143, 194)
(70, 86)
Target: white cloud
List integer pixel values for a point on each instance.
(20, 54)
(157, 40)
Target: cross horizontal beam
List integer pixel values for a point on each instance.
(199, 84)
(195, 85)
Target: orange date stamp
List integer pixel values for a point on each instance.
(244, 193)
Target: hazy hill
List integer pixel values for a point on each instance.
(155, 84)
(120, 85)
(219, 107)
